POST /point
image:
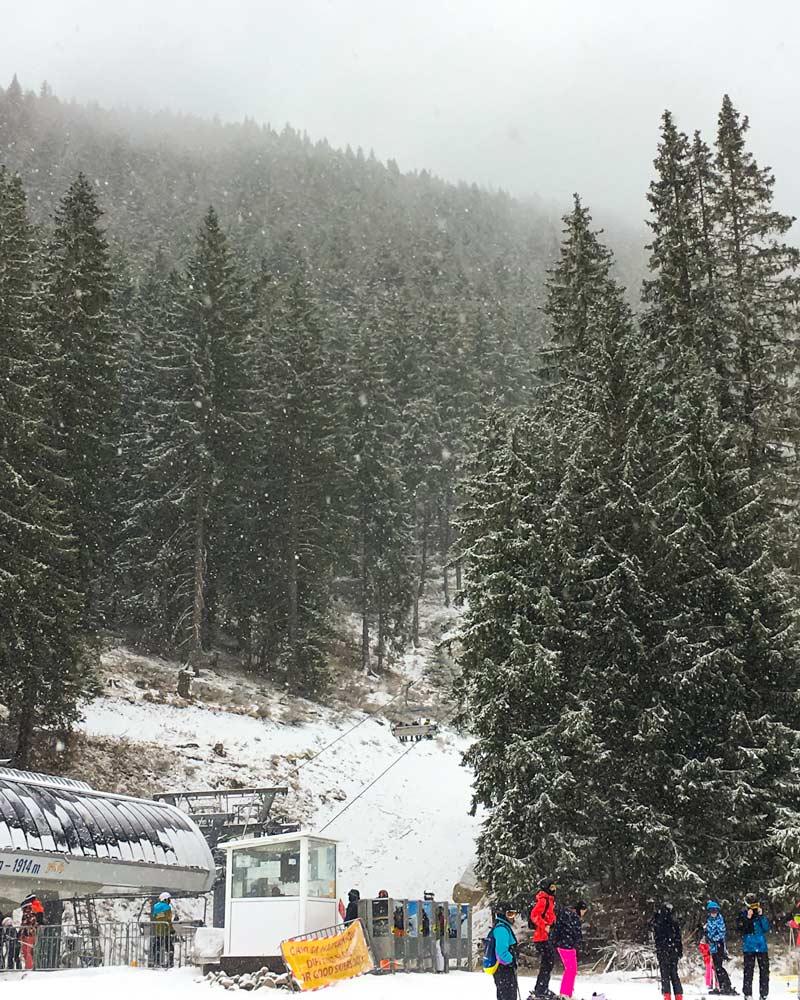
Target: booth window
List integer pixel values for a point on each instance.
(268, 870)
(321, 870)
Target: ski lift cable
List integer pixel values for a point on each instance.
(341, 736)
(375, 781)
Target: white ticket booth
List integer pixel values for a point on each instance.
(278, 887)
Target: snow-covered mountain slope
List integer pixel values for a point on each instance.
(409, 833)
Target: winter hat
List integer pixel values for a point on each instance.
(354, 895)
(580, 905)
(711, 905)
(7, 922)
(164, 897)
(751, 898)
(502, 908)
(546, 883)
(28, 899)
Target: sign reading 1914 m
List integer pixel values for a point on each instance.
(24, 865)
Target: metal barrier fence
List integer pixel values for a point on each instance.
(416, 935)
(61, 946)
(324, 932)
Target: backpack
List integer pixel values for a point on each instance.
(490, 961)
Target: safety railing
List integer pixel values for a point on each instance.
(61, 946)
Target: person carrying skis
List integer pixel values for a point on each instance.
(500, 955)
(669, 950)
(543, 916)
(567, 934)
(753, 926)
(716, 934)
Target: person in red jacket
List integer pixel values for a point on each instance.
(543, 916)
(32, 917)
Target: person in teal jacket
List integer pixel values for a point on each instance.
(505, 946)
(754, 926)
(163, 941)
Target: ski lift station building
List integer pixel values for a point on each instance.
(278, 887)
(63, 839)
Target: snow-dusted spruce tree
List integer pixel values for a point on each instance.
(154, 589)
(729, 667)
(78, 320)
(758, 290)
(377, 524)
(555, 632)
(43, 670)
(512, 660)
(197, 440)
(292, 542)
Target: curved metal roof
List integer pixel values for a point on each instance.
(65, 817)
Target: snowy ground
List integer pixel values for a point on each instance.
(132, 984)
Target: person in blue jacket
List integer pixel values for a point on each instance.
(505, 948)
(163, 940)
(716, 934)
(753, 926)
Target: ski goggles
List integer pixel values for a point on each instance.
(511, 913)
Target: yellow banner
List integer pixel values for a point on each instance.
(322, 961)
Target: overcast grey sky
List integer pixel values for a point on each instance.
(536, 96)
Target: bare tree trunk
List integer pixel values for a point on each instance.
(458, 574)
(381, 627)
(291, 593)
(25, 726)
(446, 546)
(419, 590)
(291, 611)
(364, 610)
(199, 571)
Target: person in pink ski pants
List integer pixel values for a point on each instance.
(567, 934)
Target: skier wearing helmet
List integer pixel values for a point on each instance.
(716, 935)
(163, 933)
(754, 926)
(500, 956)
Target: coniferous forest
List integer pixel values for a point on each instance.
(245, 377)
(240, 373)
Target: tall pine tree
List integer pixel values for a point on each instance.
(45, 670)
(192, 490)
(78, 319)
